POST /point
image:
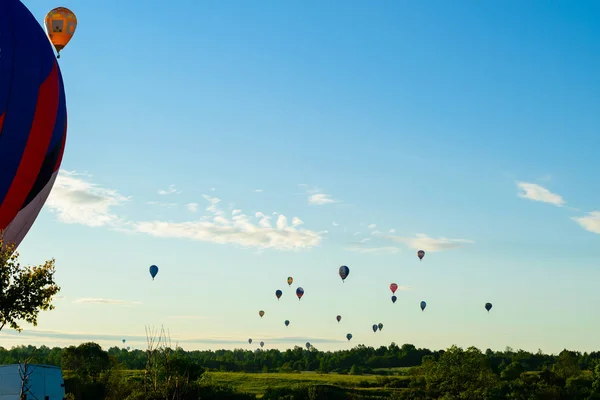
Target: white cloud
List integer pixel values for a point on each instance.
(171, 189)
(77, 201)
(535, 192)
(192, 207)
(238, 229)
(334, 224)
(358, 248)
(258, 190)
(392, 231)
(424, 242)
(372, 226)
(405, 288)
(106, 301)
(320, 199)
(591, 222)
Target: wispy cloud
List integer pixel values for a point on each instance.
(170, 190)
(106, 301)
(372, 226)
(423, 242)
(186, 317)
(316, 196)
(359, 248)
(258, 190)
(535, 192)
(192, 207)
(237, 229)
(591, 222)
(334, 224)
(78, 201)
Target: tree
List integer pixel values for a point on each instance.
(24, 291)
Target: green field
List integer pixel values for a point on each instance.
(258, 383)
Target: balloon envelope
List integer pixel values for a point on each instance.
(262, 344)
(153, 271)
(33, 120)
(60, 25)
(488, 307)
(420, 254)
(287, 322)
(299, 293)
(261, 313)
(307, 345)
(250, 341)
(278, 294)
(393, 288)
(375, 328)
(423, 305)
(290, 280)
(380, 326)
(349, 336)
(394, 298)
(339, 318)
(344, 271)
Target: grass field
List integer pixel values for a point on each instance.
(258, 383)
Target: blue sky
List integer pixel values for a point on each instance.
(467, 129)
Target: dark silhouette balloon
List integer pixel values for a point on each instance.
(488, 306)
(307, 345)
(153, 271)
(249, 341)
(278, 294)
(423, 305)
(344, 272)
(380, 326)
(375, 328)
(299, 293)
(420, 254)
(394, 298)
(349, 336)
(287, 322)
(262, 344)
(339, 318)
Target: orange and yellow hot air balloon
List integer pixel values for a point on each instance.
(60, 27)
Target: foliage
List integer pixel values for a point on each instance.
(24, 290)
(163, 372)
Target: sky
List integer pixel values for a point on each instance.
(234, 144)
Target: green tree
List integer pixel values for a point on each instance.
(24, 290)
(88, 361)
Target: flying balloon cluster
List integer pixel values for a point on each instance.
(344, 272)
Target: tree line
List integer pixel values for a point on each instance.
(93, 373)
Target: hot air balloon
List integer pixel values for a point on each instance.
(420, 254)
(153, 271)
(488, 306)
(250, 341)
(287, 322)
(349, 336)
(278, 294)
(128, 348)
(375, 328)
(299, 293)
(290, 280)
(423, 305)
(261, 313)
(339, 318)
(344, 272)
(124, 340)
(394, 298)
(393, 288)
(33, 120)
(307, 345)
(60, 27)
(262, 344)
(380, 326)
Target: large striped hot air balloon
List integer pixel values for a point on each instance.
(33, 119)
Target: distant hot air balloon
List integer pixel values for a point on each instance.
(307, 345)
(300, 293)
(278, 294)
(124, 340)
(375, 328)
(33, 120)
(153, 271)
(423, 305)
(488, 306)
(128, 348)
(420, 254)
(380, 326)
(349, 336)
(262, 344)
(261, 313)
(344, 272)
(287, 322)
(290, 280)
(339, 318)
(60, 27)
(250, 341)
(393, 288)
(394, 298)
